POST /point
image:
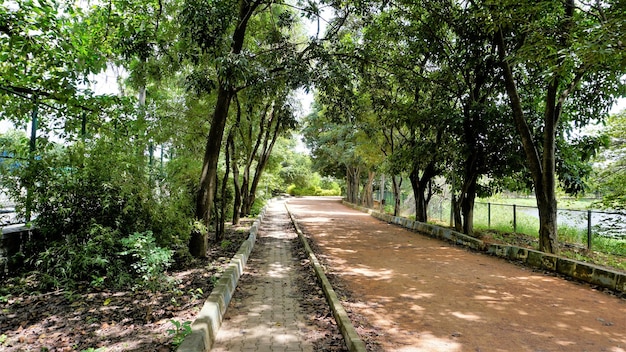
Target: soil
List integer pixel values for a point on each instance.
(139, 321)
(408, 292)
(109, 319)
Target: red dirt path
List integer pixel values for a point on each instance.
(423, 294)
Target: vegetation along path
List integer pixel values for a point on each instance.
(422, 294)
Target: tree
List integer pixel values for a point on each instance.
(407, 85)
(561, 47)
(221, 35)
(258, 134)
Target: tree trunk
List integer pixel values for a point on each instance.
(422, 190)
(382, 193)
(368, 190)
(220, 222)
(396, 195)
(467, 207)
(458, 218)
(352, 184)
(237, 200)
(204, 200)
(542, 169)
(266, 151)
(206, 191)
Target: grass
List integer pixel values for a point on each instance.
(605, 251)
(500, 226)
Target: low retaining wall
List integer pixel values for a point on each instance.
(208, 322)
(12, 241)
(575, 269)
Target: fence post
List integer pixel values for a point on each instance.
(514, 218)
(32, 149)
(83, 127)
(441, 210)
(588, 229)
(489, 215)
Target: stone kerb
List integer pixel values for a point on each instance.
(209, 320)
(586, 272)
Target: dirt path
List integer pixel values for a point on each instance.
(426, 295)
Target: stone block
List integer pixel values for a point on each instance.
(604, 277)
(620, 282)
(583, 272)
(518, 253)
(549, 261)
(447, 234)
(566, 266)
(534, 258)
(498, 250)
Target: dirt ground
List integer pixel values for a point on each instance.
(111, 320)
(413, 293)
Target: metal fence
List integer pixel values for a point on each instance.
(592, 229)
(577, 226)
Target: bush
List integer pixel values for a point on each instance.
(313, 191)
(149, 261)
(89, 258)
(96, 200)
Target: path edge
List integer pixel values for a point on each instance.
(205, 327)
(351, 337)
(574, 269)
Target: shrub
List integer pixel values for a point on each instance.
(149, 261)
(96, 200)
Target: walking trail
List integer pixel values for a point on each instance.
(264, 314)
(410, 292)
(423, 294)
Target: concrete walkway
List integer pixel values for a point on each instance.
(264, 314)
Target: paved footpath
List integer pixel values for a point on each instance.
(264, 314)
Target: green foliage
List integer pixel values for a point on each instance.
(611, 176)
(179, 332)
(256, 208)
(65, 263)
(149, 260)
(315, 189)
(225, 244)
(43, 57)
(89, 197)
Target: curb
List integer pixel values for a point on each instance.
(209, 320)
(353, 341)
(575, 269)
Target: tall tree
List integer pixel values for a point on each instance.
(216, 30)
(570, 51)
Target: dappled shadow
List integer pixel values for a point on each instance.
(118, 320)
(121, 321)
(272, 308)
(425, 295)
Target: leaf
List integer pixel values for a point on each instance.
(106, 302)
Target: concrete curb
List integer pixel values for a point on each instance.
(353, 341)
(209, 320)
(586, 272)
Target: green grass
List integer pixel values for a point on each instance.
(502, 221)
